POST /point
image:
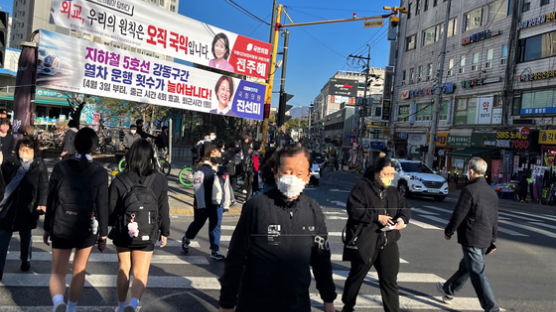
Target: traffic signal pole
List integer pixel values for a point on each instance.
(282, 105)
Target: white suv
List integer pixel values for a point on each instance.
(414, 177)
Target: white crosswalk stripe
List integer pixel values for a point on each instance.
(423, 225)
(113, 258)
(530, 228)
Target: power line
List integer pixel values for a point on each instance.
(246, 12)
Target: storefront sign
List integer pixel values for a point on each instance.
(386, 105)
(528, 75)
(466, 84)
(476, 37)
(97, 69)
(412, 112)
(379, 145)
(547, 137)
(483, 139)
(524, 131)
(416, 139)
(496, 116)
(447, 88)
(343, 87)
(535, 21)
(441, 138)
(149, 27)
(484, 110)
(459, 141)
(512, 139)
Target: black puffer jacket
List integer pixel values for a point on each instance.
(32, 192)
(366, 202)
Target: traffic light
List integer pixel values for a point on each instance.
(3, 36)
(282, 108)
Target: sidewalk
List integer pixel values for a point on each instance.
(180, 197)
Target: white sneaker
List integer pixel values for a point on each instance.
(447, 299)
(60, 307)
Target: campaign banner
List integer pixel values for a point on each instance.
(75, 65)
(150, 27)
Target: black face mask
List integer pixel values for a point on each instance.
(216, 160)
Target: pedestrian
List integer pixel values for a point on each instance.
(162, 141)
(131, 137)
(139, 123)
(76, 217)
(25, 192)
(522, 186)
(203, 206)
(475, 219)
(257, 163)
(7, 141)
(279, 236)
(377, 213)
(139, 216)
(68, 148)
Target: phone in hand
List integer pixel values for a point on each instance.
(490, 249)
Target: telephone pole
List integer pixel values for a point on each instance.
(439, 89)
(283, 95)
(361, 109)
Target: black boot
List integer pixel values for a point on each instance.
(25, 265)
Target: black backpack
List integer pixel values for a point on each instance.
(141, 206)
(75, 205)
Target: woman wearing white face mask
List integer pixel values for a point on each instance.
(24, 198)
(376, 215)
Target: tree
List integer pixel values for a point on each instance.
(135, 110)
(297, 123)
(76, 103)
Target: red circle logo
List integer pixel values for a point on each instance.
(524, 131)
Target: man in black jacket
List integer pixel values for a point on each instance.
(476, 220)
(280, 234)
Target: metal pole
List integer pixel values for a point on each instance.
(170, 135)
(273, 23)
(282, 106)
(432, 141)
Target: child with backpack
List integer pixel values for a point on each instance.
(76, 217)
(140, 214)
(24, 198)
(206, 204)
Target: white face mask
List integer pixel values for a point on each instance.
(213, 137)
(133, 131)
(290, 185)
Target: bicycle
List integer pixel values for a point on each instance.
(186, 176)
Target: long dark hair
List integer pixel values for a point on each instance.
(379, 164)
(140, 158)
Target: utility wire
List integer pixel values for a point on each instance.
(246, 12)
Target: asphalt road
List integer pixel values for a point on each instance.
(522, 272)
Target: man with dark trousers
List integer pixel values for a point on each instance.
(475, 218)
(280, 234)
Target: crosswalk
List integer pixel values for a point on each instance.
(174, 274)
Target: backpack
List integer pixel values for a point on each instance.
(75, 206)
(139, 222)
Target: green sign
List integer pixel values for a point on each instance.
(483, 139)
(459, 141)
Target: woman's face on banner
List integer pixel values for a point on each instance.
(220, 49)
(224, 93)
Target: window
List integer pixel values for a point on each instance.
(504, 58)
(537, 47)
(409, 11)
(475, 18)
(452, 27)
(434, 3)
(403, 75)
(410, 42)
(426, 5)
(403, 112)
(498, 10)
(419, 72)
(417, 7)
(466, 111)
(451, 67)
(429, 71)
(444, 110)
(476, 57)
(545, 2)
(411, 75)
(439, 31)
(462, 64)
(536, 102)
(429, 36)
(172, 8)
(526, 5)
(423, 112)
(489, 57)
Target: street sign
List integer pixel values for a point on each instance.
(370, 24)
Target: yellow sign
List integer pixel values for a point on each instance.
(547, 137)
(441, 138)
(369, 24)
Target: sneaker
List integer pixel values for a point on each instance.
(217, 255)
(25, 266)
(60, 308)
(447, 299)
(185, 244)
(129, 309)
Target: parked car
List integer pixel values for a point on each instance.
(415, 178)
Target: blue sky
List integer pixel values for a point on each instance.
(315, 52)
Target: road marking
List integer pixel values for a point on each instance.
(545, 225)
(338, 203)
(530, 228)
(510, 232)
(335, 234)
(228, 227)
(338, 190)
(336, 218)
(177, 243)
(439, 209)
(433, 218)
(510, 215)
(343, 213)
(402, 277)
(112, 257)
(338, 257)
(535, 216)
(423, 225)
(423, 211)
(408, 303)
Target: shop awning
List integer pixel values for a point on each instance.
(474, 151)
(46, 100)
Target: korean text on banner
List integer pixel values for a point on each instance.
(484, 110)
(149, 27)
(81, 66)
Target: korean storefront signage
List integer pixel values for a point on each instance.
(447, 88)
(484, 110)
(539, 20)
(476, 37)
(466, 84)
(441, 138)
(149, 27)
(547, 137)
(483, 139)
(512, 139)
(97, 69)
(459, 141)
(416, 139)
(528, 75)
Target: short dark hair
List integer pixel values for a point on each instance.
(26, 141)
(138, 121)
(140, 158)
(86, 141)
(4, 121)
(219, 82)
(379, 164)
(73, 123)
(290, 151)
(132, 126)
(226, 43)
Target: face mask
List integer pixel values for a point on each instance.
(213, 137)
(132, 131)
(290, 185)
(386, 182)
(216, 160)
